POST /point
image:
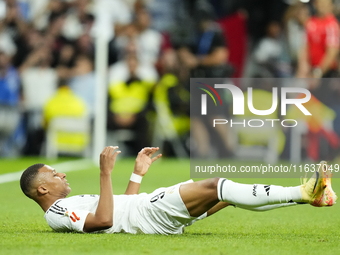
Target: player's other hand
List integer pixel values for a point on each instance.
(108, 159)
(144, 160)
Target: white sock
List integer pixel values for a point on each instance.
(256, 195)
(267, 207)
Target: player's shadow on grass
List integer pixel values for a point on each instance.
(231, 235)
(243, 235)
(200, 234)
(59, 233)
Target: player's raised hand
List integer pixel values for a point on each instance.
(108, 159)
(144, 160)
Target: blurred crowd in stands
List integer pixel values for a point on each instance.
(47, 61)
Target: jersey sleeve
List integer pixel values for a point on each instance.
(332, 34)
(66, 220)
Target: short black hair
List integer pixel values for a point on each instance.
(28, 176)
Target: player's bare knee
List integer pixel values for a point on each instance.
(212, 183)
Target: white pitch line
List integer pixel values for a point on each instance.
(69, 166)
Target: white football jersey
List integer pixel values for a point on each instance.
(161, 212)
(69, 214)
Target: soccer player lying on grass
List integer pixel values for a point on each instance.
(164, 211)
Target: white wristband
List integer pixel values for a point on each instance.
(136, 178)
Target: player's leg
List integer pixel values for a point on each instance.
(317, 192)
(217, 207)
(326, 198)
(202, 196)
(256, 195)
(205, 196)
(222, 205)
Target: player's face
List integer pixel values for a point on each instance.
(54, 182)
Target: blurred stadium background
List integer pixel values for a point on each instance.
(78, 74)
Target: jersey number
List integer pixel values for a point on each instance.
(159, 196)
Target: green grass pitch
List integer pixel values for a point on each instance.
(299, 229)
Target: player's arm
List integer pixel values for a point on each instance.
(218, 56)
(103, 217)
(332, 51)
(303, 65)
(329, 58)
(143, 162)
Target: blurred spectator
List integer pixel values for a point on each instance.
(9, 96)
(65, 114)
(118, 13)
(172, 100)
(37, 76)
(30, 41)
(208, 57)
(176, 91)
(82, 82)
(318, 56)
(125, 42)
(53, 35)
(78, 20)
(235, 32)
(269, 48)
(295, 20)
(270, 53)
(121, 71)
(64, 103)
(10, 82)
(51, 40)
(129, 99)
(85, 46)
(66, 56)
(43, 10)
(7, 44)
(24, 8)
(164, 13)
(146, 40)
(36, 8)
(13, 22)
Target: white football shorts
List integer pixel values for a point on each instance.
(160, 212)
